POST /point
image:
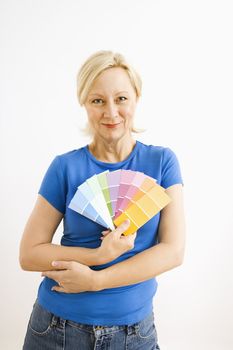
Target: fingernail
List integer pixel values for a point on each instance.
(54, 263)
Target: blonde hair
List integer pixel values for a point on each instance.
(94, 66)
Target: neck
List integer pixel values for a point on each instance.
(111, 152)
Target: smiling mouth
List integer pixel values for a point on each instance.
(111, 125)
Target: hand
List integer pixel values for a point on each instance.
(72, 277)
(115, 244)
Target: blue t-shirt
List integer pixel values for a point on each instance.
(113, 306)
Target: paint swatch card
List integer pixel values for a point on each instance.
(109, 198)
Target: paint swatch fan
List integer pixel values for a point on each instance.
(111, 197)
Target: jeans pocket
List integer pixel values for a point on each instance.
(40, 320)
(146, 328)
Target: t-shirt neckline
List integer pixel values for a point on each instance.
(112, 165)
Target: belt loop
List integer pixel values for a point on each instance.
(62, 323)
(58, 322)
(136, 328)
(54, 321)
(132, 329)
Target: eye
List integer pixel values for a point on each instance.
(122, 98)
(97, 99)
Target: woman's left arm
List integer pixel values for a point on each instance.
(164, 256)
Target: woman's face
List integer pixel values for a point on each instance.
(111, 104)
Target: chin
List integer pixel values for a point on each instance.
(113, 136)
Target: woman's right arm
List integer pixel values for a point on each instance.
(37, 252)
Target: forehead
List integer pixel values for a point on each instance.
(112, 80)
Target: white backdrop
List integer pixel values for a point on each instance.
(183, 51)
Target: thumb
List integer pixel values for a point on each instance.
(61, 265)
(122, 227)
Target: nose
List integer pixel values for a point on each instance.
(110, 110)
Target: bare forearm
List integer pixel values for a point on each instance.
(143, 266)
(41, 256)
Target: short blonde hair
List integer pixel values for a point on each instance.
(94, 66)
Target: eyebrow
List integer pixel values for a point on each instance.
(96, 93)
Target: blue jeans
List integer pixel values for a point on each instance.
(46, 331)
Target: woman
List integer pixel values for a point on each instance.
(98, 291)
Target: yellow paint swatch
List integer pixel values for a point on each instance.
(144, 208)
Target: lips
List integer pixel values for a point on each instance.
(111, 125)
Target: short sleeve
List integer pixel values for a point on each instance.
(171, 173)
(52, 187)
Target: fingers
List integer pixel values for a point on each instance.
(133, 235)
(129, 240)
(123, 227)
(120, 230)
(104, 233)
(54, 275)
(62, 265)
(58, 289)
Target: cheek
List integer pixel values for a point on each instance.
(93, 115)
(128, 110)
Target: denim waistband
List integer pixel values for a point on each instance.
(99, 330)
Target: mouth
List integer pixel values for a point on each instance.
(111, 126)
